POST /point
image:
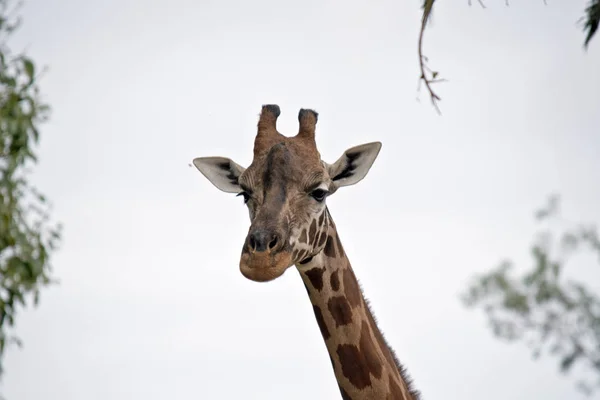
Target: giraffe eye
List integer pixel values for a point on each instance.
(245, 195)
(319, 194)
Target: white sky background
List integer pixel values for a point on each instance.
(151, 303)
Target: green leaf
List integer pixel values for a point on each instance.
(592, 21)
(29, 68)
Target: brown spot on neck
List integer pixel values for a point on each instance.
(322, 239)
(315, 276)
(351, 288)
(353, 366)
(330, 247)
(335, 281)
(361, 364)
(340, 310)
(313, 230)
(303, 237)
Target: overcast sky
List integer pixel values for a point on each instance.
(151, 303)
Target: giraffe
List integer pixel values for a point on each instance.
(285, 189)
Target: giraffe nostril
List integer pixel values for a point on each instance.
(273, 242)
(262, 239)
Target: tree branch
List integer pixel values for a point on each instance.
(427, 8)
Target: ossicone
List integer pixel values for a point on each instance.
(267, 127)
(308, 122)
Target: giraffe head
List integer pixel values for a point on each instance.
(285, 189)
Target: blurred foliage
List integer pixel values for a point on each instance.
(26, 235)
(591, 20)
(541, 305)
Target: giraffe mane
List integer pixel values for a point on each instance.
(416, 394)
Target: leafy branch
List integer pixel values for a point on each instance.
(26, 236)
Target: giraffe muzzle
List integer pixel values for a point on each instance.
(264, 257)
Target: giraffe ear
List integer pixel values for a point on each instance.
(354, 164)
(221, 172)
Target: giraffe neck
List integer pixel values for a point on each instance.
(364, 365)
